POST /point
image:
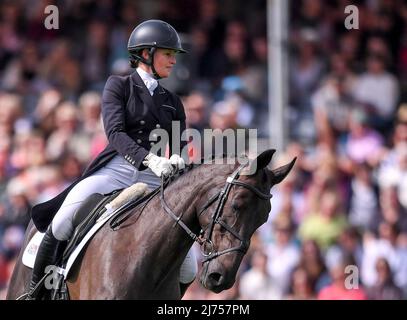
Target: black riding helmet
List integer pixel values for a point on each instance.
(152, 34)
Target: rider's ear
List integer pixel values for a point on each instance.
(261, 161)
(280, 173)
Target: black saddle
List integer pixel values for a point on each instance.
(85, 218)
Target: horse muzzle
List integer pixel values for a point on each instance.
(215, 279)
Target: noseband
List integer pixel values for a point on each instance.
(221, 198)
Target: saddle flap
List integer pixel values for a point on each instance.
(87, 206)
(90, 217)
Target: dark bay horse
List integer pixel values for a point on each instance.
(142, 259)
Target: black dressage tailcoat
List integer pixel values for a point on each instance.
(129, 113)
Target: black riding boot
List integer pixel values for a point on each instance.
(47, 255)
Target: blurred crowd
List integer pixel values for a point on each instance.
(342, 210)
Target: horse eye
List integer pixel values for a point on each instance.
(235, 207)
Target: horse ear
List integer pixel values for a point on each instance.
(280, 173)
(261, 161)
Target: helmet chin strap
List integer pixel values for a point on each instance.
(149, 61)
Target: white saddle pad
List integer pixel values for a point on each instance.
(31, 250)
(127, 195)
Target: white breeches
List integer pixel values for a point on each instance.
(117, 174)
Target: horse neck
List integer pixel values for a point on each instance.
(168, 241)
(184, 196)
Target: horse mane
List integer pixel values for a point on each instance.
(179, 177)
(192, 166)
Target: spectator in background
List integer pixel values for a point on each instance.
(255, 78)
(392, 177)
(390, 206)
(95, 60)
(363, 144)
(378, 88)
(312, 262)
(90, 132)
(364, 206)
(4, 157)
(224, 116)
(66, 121)
(11, 40)
(21, 73)
(90, 108)
(4, 274)
(326, 223)
(15, 207)
(10, 110)
(12, 241)
(384, 289)
(211, 21)
(349, 47)
(323, 167)
(197, 110)
(196, 106)
(306, 70)
(43, 116)
(61, 70)
(385, 246)
(29, 150)
(376, 45)
(332, 104)
(348, 245)
(338, 290)
(257, 283)
(52, 183)
(283, 254)
(71, 167)
(301, 287)
(333, 101)
(230, 58)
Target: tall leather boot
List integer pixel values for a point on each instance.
(47, 255)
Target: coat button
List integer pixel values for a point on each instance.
(140, 131)
(138, 141)
(142, 122)
(157, 126)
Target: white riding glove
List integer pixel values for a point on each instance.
(159, 165)
(177, 161)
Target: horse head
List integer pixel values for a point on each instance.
(230, 217)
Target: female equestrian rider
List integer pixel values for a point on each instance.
(132, 106)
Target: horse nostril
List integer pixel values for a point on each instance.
(215, 277)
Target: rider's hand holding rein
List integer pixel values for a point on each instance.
(177, 162)
(161, 166)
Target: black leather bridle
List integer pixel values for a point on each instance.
(221, 198)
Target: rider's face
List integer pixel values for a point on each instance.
(164, 60)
